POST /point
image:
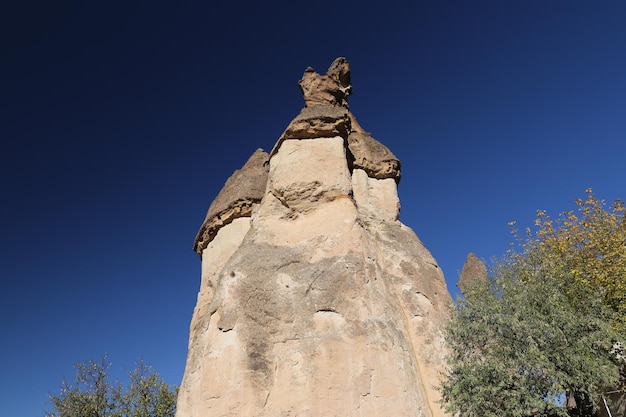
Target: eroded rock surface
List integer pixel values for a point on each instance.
(331, 89)
(321, 302)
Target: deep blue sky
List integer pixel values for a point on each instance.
(120, 122)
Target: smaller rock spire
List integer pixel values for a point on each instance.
(474, 271)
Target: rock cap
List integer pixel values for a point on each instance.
(326, 114)
(244, 189)
(331, 89)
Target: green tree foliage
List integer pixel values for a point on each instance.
(537, 334)
(91, 394)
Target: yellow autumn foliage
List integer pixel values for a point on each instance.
(588, 247)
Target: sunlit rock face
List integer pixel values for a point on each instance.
(315, 299)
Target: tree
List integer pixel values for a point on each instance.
(91, 394)
(148, 395)
(535, 338)
(589, 247)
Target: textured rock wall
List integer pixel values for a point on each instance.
(318, 301)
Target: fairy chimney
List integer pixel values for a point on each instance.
(315, 299)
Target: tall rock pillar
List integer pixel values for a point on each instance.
(315, 299)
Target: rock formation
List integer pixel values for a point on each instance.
(315, 299)
(474, 271)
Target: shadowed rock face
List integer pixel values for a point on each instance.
(317, 301)
(474, 271)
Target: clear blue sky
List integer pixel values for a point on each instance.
(120, 122)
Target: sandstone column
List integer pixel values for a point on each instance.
(315, 299)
